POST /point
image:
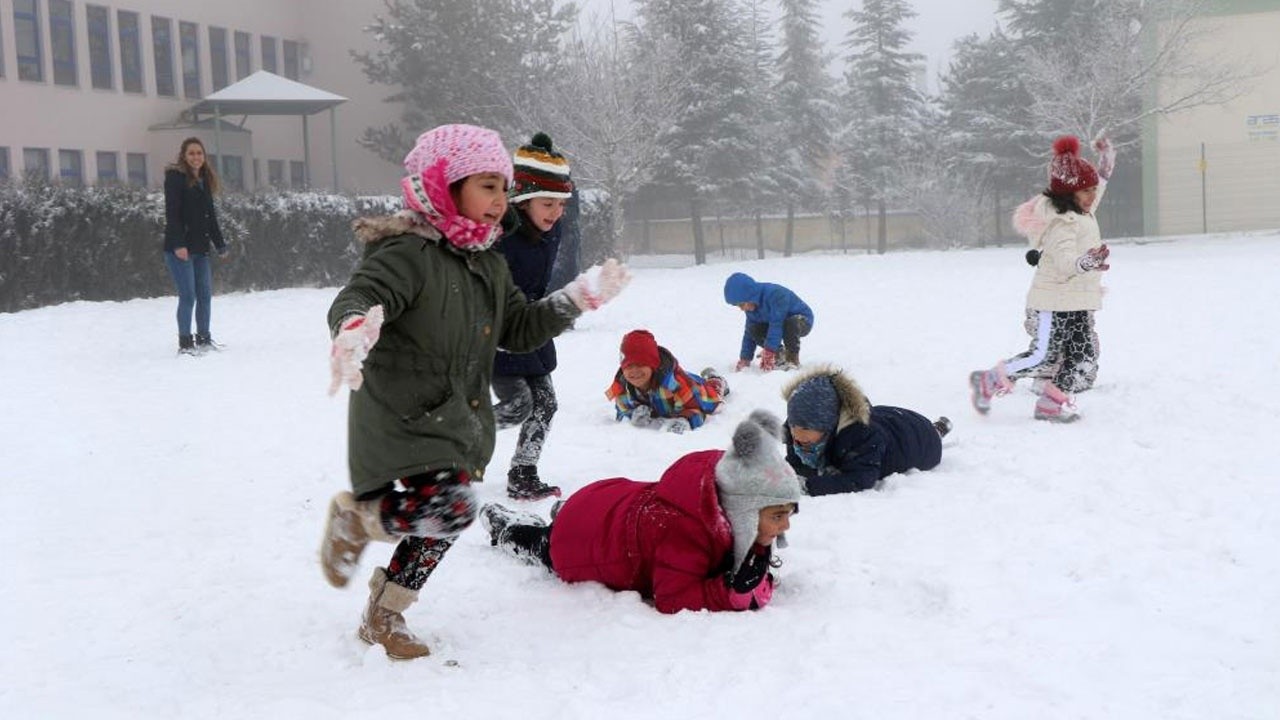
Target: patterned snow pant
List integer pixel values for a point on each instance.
(530, 402)
(793, 328)
(431, 512)
(1064, 350)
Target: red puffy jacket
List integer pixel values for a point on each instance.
(667, 540)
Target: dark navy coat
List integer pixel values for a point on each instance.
(531, 255)
(869, 442)
(190, 220)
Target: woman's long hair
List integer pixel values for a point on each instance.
(207, 174)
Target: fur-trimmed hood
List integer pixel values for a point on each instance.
(854, 405)
(373, 229)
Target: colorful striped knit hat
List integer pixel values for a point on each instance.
(540, 171)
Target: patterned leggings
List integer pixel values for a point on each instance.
(1064, 349)
(431, 511)
(528, 401)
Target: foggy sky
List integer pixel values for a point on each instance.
(937, 25)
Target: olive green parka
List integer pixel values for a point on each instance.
(425, 402)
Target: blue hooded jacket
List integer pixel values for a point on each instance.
(774, 304)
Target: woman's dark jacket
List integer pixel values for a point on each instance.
(190, 220)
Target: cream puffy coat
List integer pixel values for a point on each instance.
(1059, 284)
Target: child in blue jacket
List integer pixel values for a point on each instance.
(776, 320)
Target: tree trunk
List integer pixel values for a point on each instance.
(759, 237)
(699, 241)
(882, 232)
(789, 246)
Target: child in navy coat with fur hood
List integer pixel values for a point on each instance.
(838, 442)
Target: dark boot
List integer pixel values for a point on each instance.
(523, 483)
(791, 358)
(942, 425)
(186, 345)
(205, 343)
(496, 519)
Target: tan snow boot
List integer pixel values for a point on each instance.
(384, 625)
(349, 528)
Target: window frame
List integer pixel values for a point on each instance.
(245, 53)
(191, 81)
(268, 41)
(62, 30)
(102, 52)
(27, 62)
(218, 36)
(162, 43)
(285, 46)
(130, 176)
(65, 169)
(114, 177)
(124, 35)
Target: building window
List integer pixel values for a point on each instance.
(35, 163)
(190, 43)
(244, 65)
(62, 42)
(1, 47)
(136, 166)
(275, 173)
(297, 174)
(218, 57)
(130, 51)
(162, 44)
(269, 54)
(4, 163)
(26, 31)
(290, 59)
(232, 169)
(98, 23)
(71, 167)
(108, 167)
(257, 174)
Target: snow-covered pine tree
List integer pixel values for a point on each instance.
(459, 62)
(707, 149)
(881, 99)
(806, 111)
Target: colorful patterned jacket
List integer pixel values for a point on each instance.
(678, 393)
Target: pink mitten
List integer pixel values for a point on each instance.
(743, 364)
(592, 289)
(768, 360)
(1106, 157)
(351, 346)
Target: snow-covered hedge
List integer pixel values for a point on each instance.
(59, 243)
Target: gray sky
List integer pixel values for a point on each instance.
(938, 23)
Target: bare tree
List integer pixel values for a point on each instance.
(1139, 59)
(605, 111)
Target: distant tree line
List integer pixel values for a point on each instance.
(703, 103)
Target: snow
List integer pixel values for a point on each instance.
(162, 515)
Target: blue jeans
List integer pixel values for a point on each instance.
(194, 279)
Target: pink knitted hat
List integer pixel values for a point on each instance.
(443, 156)
(468, 148)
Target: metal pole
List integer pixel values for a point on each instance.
(333, 145)
(306, 154)
(1204, 193)
(217, 137)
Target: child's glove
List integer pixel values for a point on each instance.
(351, 346)
(592, 289)
(1095, 259)
(679, 425)
(743, 364)
(768, 360)
(642, 416)
(1106, 156)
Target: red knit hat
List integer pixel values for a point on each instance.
(639, 348)
(1068, 172)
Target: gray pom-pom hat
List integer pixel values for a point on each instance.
(754, 474)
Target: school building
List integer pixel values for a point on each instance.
(104, 91)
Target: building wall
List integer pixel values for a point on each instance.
(45, 114)
(1236, 186)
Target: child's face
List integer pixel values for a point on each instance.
(806, 436)
(1086, 198)
(746, 306)
(774, 520)
(638, 375)
(544, 212)
(482, 197)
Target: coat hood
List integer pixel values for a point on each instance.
(740, 288)
(370, 230)
(854, 405)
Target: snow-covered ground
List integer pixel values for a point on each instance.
(161, 516)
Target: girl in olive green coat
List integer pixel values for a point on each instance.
(415, 333)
